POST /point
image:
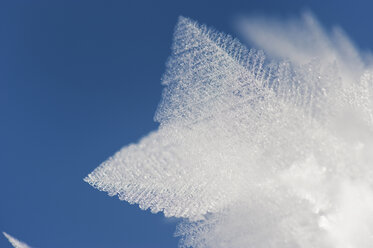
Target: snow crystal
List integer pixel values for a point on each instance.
(256, 152)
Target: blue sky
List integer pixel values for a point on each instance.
(81, 79)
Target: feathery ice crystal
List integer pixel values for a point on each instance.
(256, 152)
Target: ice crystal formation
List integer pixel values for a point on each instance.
(16, 243)
(257, 152)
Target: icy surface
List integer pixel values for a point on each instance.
(16, 243)
(256, 152)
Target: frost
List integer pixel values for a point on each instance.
(256, 152)
(180, 169)
(16, 243)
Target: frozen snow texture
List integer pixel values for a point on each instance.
(16, 243)
(257, 153)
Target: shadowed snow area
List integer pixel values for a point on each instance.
(257, 152)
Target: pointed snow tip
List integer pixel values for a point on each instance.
(183, 19)
(7, 236)
(15, 242)
(91, 181)
(88, 179)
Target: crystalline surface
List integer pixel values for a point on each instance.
(257, 153)
(16, 243)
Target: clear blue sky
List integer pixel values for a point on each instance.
(79, 79)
